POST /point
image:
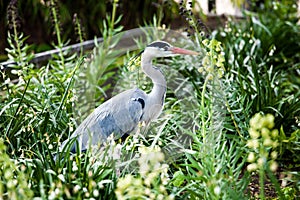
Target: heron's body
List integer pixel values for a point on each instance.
(112, 117)
(122, 113)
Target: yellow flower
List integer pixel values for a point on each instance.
(261, 162)
(252, 167)
(210, 77)
(200, 69)
(265, 132)
(254, 143)
(275, 144)
(253, 133)
(274, 133)
(206, 61)
(268, 142)
(273, 166)
(205, 42)
(124, 183)
(251, 157)
(274, 155)
(255, 121)
(269, 119)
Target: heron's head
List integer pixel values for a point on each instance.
(164, 49)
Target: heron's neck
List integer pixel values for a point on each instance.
(158, 79)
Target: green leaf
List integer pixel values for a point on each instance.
(178, 178)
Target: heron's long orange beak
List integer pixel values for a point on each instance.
(177, 50)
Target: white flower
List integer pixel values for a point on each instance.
(269, 120)
(96, 193)
(61, 177)
(125, 182)
(255, 120)
(76, 188)
(57, 191)
(7, 81)
(217, 190)
(144, 168)
(147, 191)
(162, 188)
(11, 183)
(52, 195)
(74, 166)
(160, 197)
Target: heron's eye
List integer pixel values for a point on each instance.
(165, 48)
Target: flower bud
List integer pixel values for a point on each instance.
(268, 142)
(274, 155)
(274, 133)
(252, 167)
(253, 133)
(273, 166)
(251, 157)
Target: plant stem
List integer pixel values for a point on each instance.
(67, 89)
(16, 112)
(203, 106)
(57, 30)
(111, 24)
(80, 33)
(232, 118)
(261, 183)
(276, 184)
(17, 42)
(113, 14)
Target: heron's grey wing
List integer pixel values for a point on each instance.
(119, 115)
(85, 129)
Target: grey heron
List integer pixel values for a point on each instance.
(122, 113)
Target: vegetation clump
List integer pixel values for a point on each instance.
(232, 113)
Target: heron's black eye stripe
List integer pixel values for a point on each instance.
(162, 45)
(166, 48)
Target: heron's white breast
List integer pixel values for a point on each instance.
(152, 110)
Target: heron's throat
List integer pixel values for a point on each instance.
(154, 73)
(158, 79)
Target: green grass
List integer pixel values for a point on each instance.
(200, 144)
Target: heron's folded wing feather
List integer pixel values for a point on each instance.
(119, 115)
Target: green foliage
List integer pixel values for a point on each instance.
(291, 145)
(262, 146)
(262, 61)
(14, 180)
(199, 147)
(37, 114)
(151, 179)
(263, 58)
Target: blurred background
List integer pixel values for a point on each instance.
(35, 21)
